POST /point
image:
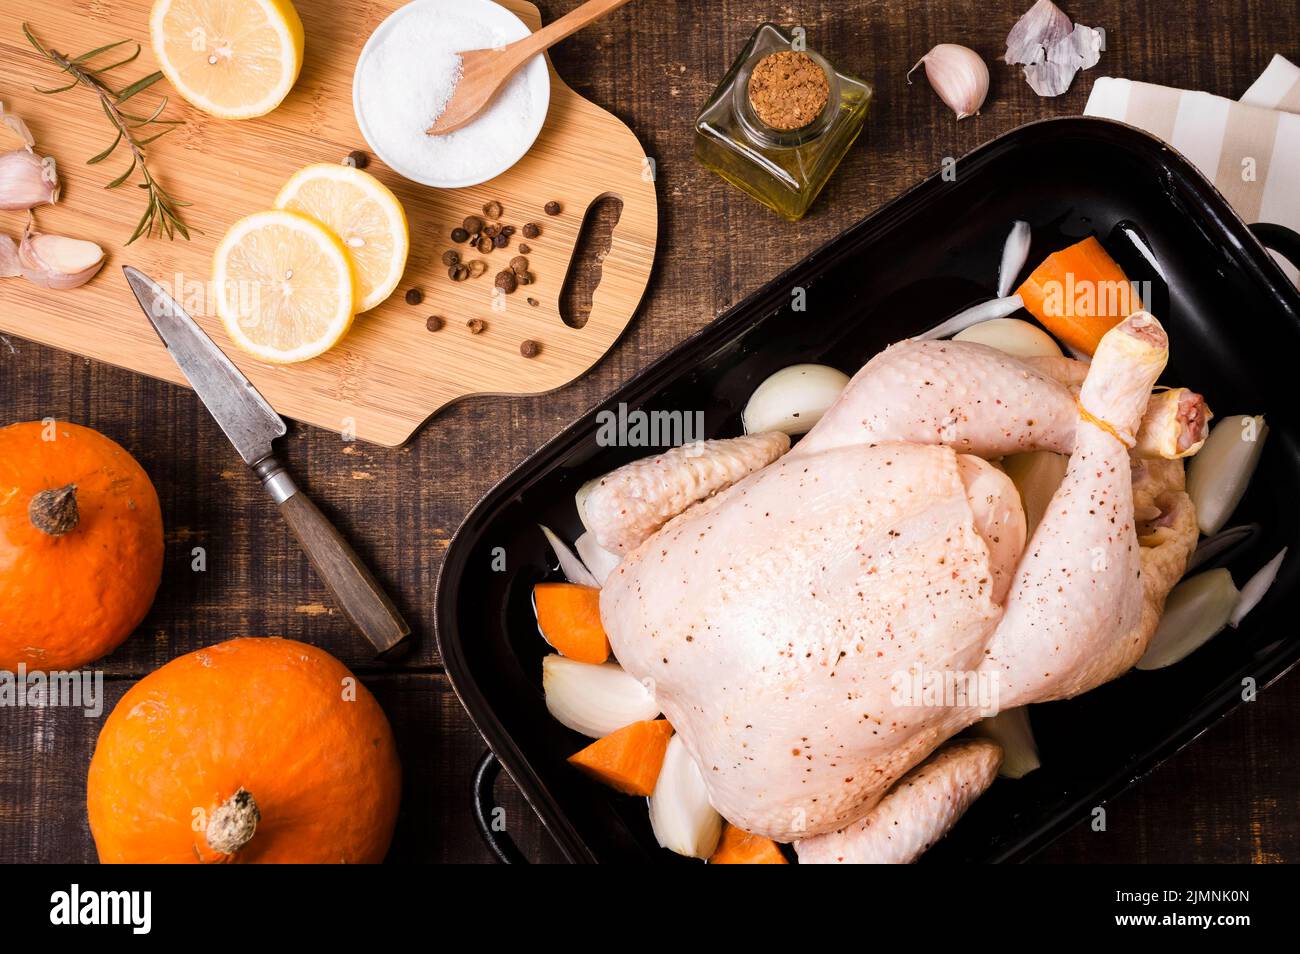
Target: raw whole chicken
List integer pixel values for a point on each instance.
(780, 603)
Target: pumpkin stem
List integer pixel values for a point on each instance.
(54, 512)
(232, 825)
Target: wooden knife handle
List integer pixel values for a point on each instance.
(354, 588)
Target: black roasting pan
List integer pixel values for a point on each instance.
(1234, 322)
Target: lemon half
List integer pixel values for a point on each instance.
(284, 286)
(361, 211)
(231, 58)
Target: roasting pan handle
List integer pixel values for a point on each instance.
(1280, 239)
(500, 843)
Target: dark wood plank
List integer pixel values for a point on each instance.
(1230, 797)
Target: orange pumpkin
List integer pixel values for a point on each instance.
(81, 545)
(253, 750)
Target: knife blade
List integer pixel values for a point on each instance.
(252, 426)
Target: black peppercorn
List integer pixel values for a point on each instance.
(525, 278)
(529, 348)
(501, 241)
(507, 281)
(531, 230)
(433, 323)
(524, 248)
(414, 296)
(519, 264)
(472, 224)
(356, 159)
(459, 235)
(451, 257)
(552, 208)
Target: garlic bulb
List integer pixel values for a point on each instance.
(958, 75)
(58, 262)
(27, 180)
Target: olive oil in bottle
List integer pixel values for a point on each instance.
(780, 121)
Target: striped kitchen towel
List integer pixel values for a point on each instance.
(1250, 149)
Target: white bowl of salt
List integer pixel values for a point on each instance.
(407, 72)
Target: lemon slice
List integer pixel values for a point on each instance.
(361, 211)
(231, 58)
(284, 286)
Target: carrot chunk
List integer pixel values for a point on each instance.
(569, 617)
(1079, 294)
(738, 847)
(628, 760)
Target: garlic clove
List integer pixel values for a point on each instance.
(14, 133)
(27, 180)
(958, 75)
(58, 262)
(10, 267)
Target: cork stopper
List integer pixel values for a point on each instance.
(788, 90)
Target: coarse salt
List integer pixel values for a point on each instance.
(409, 76)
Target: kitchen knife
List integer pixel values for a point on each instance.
(252, 426)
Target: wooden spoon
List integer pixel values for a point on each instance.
(484, 72)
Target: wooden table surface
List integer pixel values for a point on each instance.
(1232, 797)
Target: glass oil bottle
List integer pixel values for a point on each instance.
(783, 168)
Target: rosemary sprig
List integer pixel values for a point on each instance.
(162, 211)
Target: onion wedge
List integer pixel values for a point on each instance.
(793, 399)
(574, 569)
(1218, 475)
(592, 699)
(1015, 252)
(1010, 729)
(1255, 589)
(993, 308)
(596, 558)
(1196, 611)
(680, 814)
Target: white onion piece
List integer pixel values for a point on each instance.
(680, 814)
(574, 570)
(1013, 336)
(1014, 255)
(1010, 729)
(594, 699)
(596, 558)
(1212, 548)
(1218, 475)
(1037, 475)
(580, 499)
(793, 399)
(1195, 612)
(993, 308)
(1255, 589)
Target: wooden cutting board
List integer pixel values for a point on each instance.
(390, 373)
